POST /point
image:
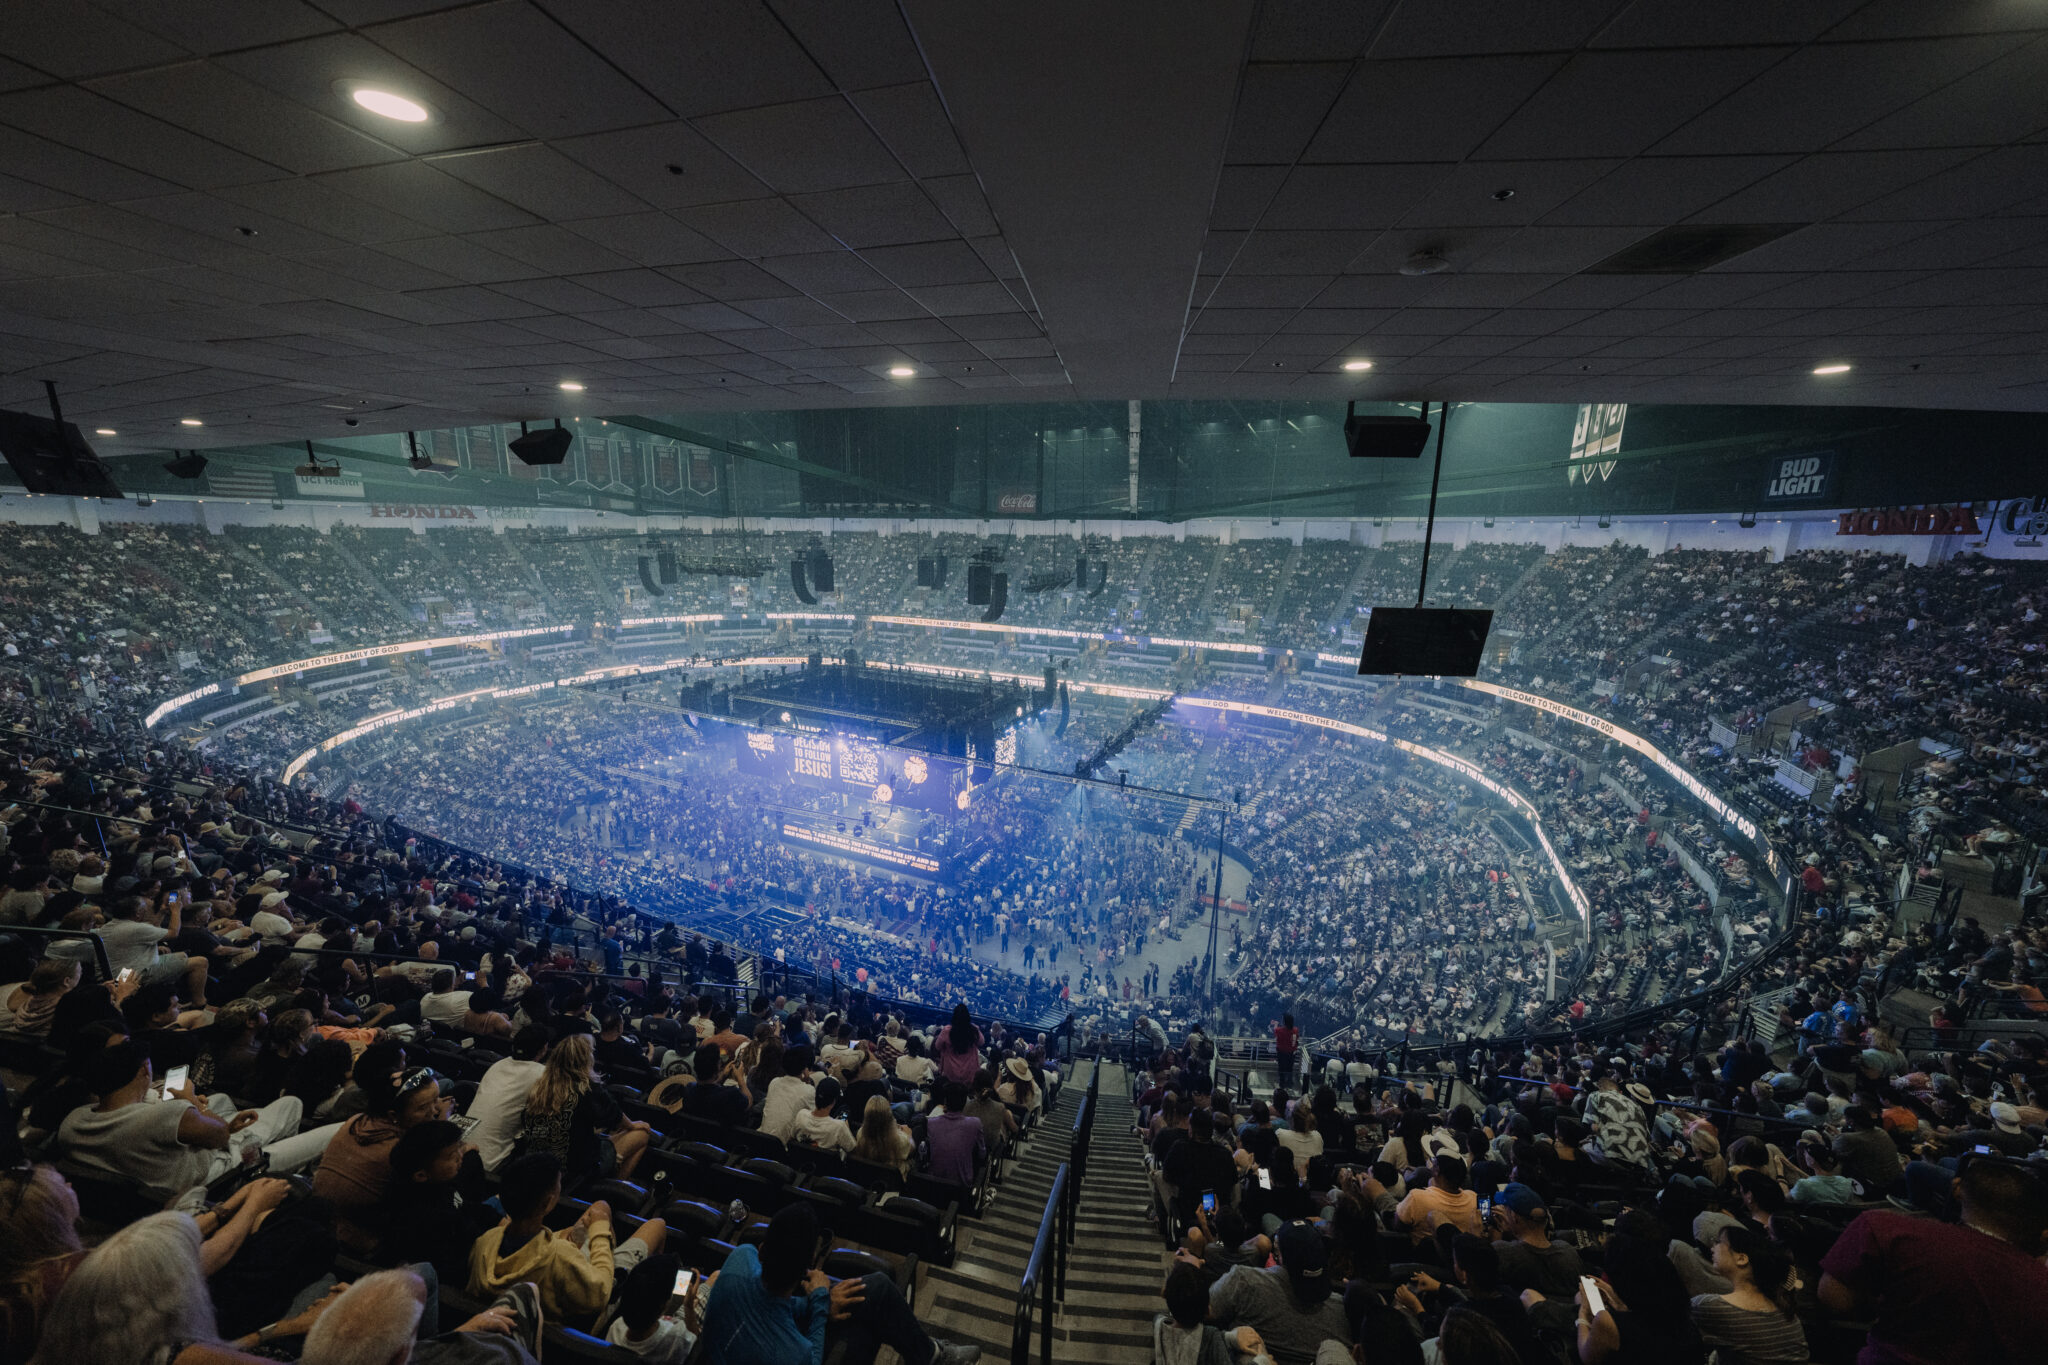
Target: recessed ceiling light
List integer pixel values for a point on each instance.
(1358, 364)
(387, 105)
(901, 371)
(1831, 369)
(570, 386)
(105, 431)
(190, 422)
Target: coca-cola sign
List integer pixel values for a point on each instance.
(1017, 501)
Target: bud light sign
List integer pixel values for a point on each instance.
(1801, 478)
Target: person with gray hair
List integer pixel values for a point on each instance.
(140, 1298)
(375, 1323)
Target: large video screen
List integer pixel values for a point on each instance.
(847, 763)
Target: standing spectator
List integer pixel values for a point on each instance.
(1962, 1292)
(958, 1047)
(1286, 1041)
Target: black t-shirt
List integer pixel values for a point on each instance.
(718, 1103)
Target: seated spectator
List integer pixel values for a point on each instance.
(1474, 1287)
(882, 1141)
(1182, 1335)
(1646, 1316)
(1018, 1088)
(28, 1007)
(228, 1048)
(614, 1050)
(161, 1029)
(819, 1126)
(131, 934)
(1197, 1166)
(955, 1138)
(140, 1296)
(376, 1321)
(1755, 1323)
(996, 1117)
(434, 1209)
(1867, 1153)
(790, 1095)
(644, 1325)
(773, 1306)
(1528, 1258)
(1825, 1185)
(567, 1111)
(1289, 1305)
(1443, 1200)
(719, 1093)
(914, 1068)
(499, 1104)
(355, 1171)
(1302, 1140)
(172, 1148)
(39, 1248)
(443, 1005)
(572, 1269)
(1973, 1290)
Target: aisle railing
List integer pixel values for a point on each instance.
(1045, 1275)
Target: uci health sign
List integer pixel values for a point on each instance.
(1801, 478)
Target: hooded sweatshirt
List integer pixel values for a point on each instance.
(354, 1175)
(573, 1281)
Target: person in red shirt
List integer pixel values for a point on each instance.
(1286, 1040)
(1814, 883)
(1936, 1292)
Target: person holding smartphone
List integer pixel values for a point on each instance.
(748, 1319)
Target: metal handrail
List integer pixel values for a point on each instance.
(1036, 1289)
(99, 947)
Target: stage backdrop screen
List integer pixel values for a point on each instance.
(846, 763)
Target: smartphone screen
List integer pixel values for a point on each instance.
(1594, 1303)
(174, 1079)
(685, 1279)
(1208, 1201)
(1265, 1178)
(125, 975)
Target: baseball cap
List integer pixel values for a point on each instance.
(1519, 1199)
(1302, 1250)
(2005, 1118)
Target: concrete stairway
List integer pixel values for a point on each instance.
(1117, 1264)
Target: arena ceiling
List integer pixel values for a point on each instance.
(700, 207)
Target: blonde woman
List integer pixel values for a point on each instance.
(567, 1110)
(882, 1141)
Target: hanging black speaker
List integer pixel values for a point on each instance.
(978, 584)
(798, 584)
(647, 579)
(549, 445)
(927, 572)
(938, 571)
(821, 570)
(665, 562)
(998, 597)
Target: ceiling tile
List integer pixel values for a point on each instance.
(698, 59)
(514, 60)
(1427, 110)
(1331, 197)
(649, 239)
(931, 263)
(209, 100)
(1619, 103)
(1279, 106)
(307, 72)
(806, 146)
(1465, 196)
(96, 125)
(540, 179)
(73, 39)
(961, 300)
(1823, 93)
(876, 215)
(1669, 190)
(959, 197)
(758, 227)
(418, 191)
(913, 124)
(731, 280)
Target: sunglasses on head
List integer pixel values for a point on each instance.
(416, 1079)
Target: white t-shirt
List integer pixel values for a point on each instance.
(500, 1107)
(270, 926)
(788, 1097)
(831, 1134)
(445, 1009)
(668, 1344)
(131, 943)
